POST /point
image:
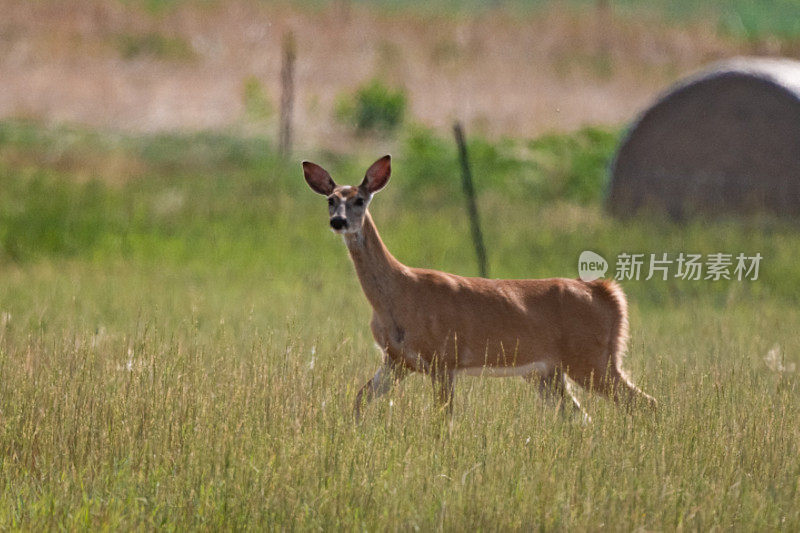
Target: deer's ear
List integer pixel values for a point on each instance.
(377, 175)
(318, 178)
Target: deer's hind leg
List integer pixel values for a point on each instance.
(618, 387)
(554, 386)
(605, 376)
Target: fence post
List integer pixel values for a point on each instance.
(287, 95)
(605, 20)
(472, 206)
(344, 9)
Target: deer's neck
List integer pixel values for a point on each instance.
(380, 274)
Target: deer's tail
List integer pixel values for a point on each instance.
(617, 381)
(612, 293)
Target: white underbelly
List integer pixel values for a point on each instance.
(539, 367)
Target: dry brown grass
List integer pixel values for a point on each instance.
(503, 74)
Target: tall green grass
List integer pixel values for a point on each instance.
(179, 349)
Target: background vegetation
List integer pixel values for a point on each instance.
(182, 338)
(741, 18)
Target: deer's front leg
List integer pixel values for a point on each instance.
(381, 383)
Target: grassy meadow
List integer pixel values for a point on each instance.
(181, 339)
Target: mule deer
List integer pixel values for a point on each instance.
(544, 330)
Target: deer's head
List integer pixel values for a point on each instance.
(347, 205)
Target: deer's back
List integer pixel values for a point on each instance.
(473, 322)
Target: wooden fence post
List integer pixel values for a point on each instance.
(287, 95)
(472, 206)
(604, 28)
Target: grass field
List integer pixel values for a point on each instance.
(179, 348)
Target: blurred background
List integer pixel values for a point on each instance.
(127, 121)
(504, 68)
(181, 336)
(162, 130)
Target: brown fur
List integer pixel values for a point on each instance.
(442, 324)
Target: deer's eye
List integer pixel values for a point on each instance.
(358, 202)
(331, 202)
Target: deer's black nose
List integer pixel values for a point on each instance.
(338, 223)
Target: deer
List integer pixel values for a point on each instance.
(552, 332)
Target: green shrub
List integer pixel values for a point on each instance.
(552, 167)
(373, 108)
(429, 162)
(575, 166)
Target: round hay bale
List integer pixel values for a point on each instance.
(726, 141)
